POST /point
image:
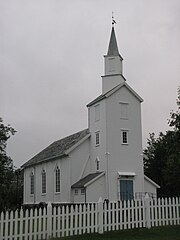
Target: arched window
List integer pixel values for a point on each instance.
(32, 183)
(43, 181)
(58, 180)
(97, 164)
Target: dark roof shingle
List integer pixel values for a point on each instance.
(57, 148)
(85, 180)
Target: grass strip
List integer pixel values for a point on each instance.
(156, 233)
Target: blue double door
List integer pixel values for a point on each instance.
(126, 190)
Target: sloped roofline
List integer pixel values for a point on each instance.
(113, 90)
(94, 179)
(87, 180)
(65, 153)
(151, 181)
(77, 144)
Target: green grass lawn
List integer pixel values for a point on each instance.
(157, 233)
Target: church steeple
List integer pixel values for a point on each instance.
(113, 64)
(113, 47)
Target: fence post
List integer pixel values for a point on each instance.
(147, 211)
(100, 215)
(49, 220)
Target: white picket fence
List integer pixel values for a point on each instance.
(88, 218)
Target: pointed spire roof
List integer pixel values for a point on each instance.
(113, 47)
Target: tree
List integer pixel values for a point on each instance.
(162, 156)
(6, 167)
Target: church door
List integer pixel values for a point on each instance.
(126, 189)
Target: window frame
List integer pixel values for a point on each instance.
(83, 191)
(57, 180)
(126, 195)
(43, 182)
(124, 138)
(97, 164)
(97, 138)
(76, 191)
(32, 185)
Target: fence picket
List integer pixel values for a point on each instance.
(7, 224)
(21, 224)
(44, 221)
(26, 222)
(11, 225)
(163, 211)
(54, 219)
(30, 224)
(177, 210)
(58, 221)
(115, 216)
(63, 220)
(16, 225)
(71, 220)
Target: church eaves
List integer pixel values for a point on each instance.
(109, 93)
(58, 149)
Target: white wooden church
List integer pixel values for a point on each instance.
(104, 160)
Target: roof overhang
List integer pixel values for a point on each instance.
(94, 179)
(151, 181)
(113, 90)
(77, 144)
(126, 174)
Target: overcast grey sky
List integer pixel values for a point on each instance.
(51, 58)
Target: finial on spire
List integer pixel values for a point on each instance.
(113, 21)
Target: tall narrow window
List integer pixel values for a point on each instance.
(124, 136)
(58, 179)
(97, 138)
(32, 183)
(97, 164)
(43, 181)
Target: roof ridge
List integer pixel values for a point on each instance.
(87, 129)
(57, 148)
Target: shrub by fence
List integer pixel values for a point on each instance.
(71, 220)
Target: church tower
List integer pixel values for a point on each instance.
(113, 69)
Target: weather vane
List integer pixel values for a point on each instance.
(113, 21)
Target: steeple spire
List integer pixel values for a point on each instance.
(113, 47)
(113, 64)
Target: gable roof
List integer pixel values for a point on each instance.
(58, 149)
(113, 90)
(88, 179)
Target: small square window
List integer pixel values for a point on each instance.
(124, 137)
(82, 191)
(97, 138)
(76, 192)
